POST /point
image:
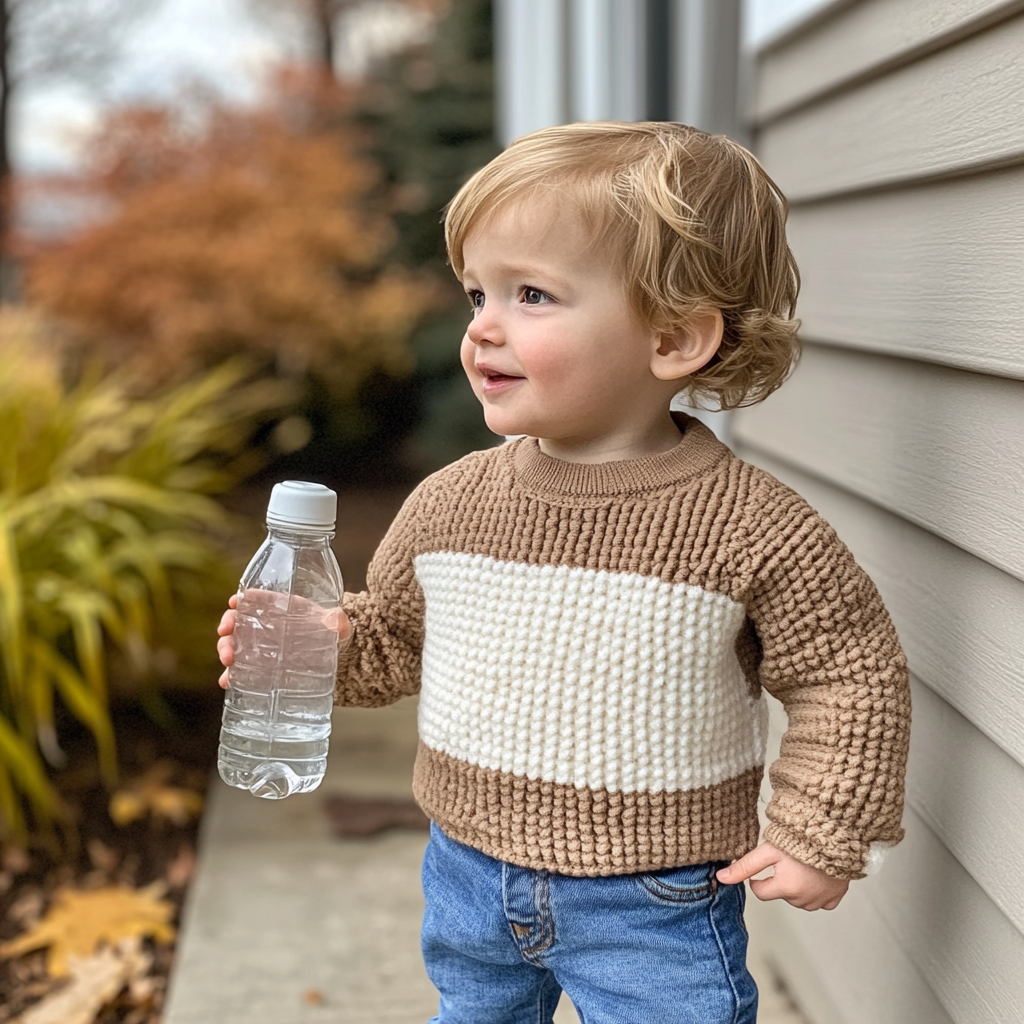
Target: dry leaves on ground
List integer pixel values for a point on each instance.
(157, 847)
(79, 921)
(151, 794)
(95, 981)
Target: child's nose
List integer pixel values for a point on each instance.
(485, 328)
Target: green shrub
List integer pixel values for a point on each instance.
(108, 530)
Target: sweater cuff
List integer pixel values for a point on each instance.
(846, 856)
(347, 657)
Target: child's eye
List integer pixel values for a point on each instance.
(476, 300)
(534, 296)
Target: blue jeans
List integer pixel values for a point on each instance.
(501, 942)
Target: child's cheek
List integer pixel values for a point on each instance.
(467, 353)
(552, 370)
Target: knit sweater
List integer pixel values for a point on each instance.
(591, 643)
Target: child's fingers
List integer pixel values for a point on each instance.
(344, 626)
(798, 893)
(226, 626)
(748, 865)
(337, 620)
(222, 682)
(768, 889)
(226, 651)
(233, 601)
(776, 888)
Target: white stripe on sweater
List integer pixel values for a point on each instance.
(604, 680)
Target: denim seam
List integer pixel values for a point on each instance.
(542, 909)
(670, 894)
(721, 952)
(544, 1016)
(542, 882)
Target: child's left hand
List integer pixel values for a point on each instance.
(798, 884)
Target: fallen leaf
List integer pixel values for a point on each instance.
(176, 804)
(125, 807)
(353, 816)
(95, 981)
(78, 921)
(150, 793)
(313, 997)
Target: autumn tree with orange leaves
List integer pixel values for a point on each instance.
(261, 231)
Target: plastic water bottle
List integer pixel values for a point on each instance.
(277, 709)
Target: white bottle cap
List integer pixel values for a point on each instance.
(302, 505)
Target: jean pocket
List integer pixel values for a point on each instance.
(689, 884)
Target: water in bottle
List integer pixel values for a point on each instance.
(277, 709)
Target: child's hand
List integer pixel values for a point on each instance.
(798, 884)
(338, 620)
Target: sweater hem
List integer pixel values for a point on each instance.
(582, 832)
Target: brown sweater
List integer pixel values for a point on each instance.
(590, 644)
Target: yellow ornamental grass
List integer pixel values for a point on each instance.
(105, 510)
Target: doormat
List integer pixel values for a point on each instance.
(355, 817)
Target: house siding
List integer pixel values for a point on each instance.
(895, 127)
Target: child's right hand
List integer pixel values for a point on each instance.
(226, 644)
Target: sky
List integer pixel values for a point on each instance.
(221, 41)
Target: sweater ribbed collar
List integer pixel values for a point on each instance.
(698, 453)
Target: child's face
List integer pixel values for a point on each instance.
(554, 349)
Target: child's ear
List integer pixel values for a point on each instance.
(686, 350)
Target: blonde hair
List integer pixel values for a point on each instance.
(693, 221)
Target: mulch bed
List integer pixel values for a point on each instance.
(152, 849)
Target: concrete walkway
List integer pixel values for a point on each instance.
(286, 924)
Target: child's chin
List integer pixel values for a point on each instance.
(506, 425)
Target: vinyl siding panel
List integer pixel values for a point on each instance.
(968, 791)
(941, 447)
(861, 40)
(966, 949)
(959, 618)
(852, 968)
(932, 273)
(919, 942)
(948, 113)
(896, 128)
(970, 673)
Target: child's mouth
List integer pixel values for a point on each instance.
(494, 381)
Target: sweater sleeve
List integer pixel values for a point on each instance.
(380, 663)
(830, 653)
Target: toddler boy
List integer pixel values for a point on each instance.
(591, 613)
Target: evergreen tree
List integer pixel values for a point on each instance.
(431, 114)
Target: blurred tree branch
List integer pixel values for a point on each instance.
(322, 24)
(49, 41)
(316, 20)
